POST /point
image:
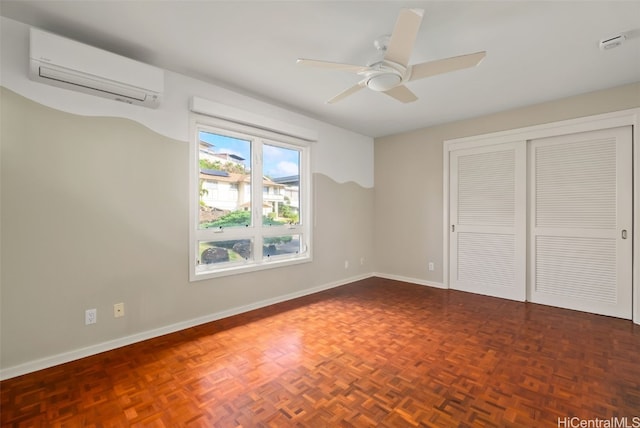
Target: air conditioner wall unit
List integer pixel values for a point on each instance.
(65, 63)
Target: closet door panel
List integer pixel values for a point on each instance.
(487, 220)
(581, 217)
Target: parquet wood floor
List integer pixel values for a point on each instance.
(375, 353)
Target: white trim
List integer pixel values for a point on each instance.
(409, 280)
(236, 115)
(636, 218)
(552, 129)
(65, 357)
(446, 154)
(582, 124)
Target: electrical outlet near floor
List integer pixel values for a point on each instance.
(431, 266)
(90, 316)
(118, 310)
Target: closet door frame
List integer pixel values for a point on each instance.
(572, 126)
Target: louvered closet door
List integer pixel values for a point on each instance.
(488, 220)
(581, 201)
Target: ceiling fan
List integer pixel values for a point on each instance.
(390, 70)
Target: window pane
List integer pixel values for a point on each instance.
(216, 252)
(281, 185)
(281, 245)
(224, 180)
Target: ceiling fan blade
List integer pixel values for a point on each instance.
(332, 65)
(431, 68)
(404, 36)
(344, 94)
(402, 94)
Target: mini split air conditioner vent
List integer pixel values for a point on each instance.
(65, 63)
(612, 42)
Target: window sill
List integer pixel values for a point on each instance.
(249, 267)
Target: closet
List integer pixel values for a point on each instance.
(543, 218)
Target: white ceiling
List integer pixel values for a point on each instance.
(536, 50)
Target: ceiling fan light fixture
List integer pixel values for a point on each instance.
(383, 81)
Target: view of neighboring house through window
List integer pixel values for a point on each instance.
(249, 202)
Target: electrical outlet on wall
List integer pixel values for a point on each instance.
(431, 266)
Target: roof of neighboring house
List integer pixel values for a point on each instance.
(214, 172)
(270, 182)
(223, 176)
(289, 179)
(230, 155)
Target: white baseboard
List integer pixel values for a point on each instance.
(410, 280)
(65, 357)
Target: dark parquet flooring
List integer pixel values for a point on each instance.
(375, 353)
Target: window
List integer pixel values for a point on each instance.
(250, 199)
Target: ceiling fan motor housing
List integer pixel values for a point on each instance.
(384, 76)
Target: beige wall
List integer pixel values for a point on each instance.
(408, 178)
(94, 211)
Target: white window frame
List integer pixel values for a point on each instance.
(258, 137)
